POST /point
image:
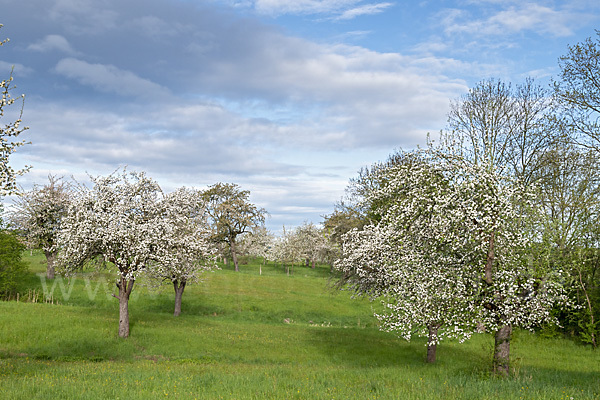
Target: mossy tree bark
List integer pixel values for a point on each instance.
(125, 286)
(502, 350)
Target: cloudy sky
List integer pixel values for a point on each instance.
(286, 98)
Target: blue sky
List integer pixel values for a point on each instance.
(288, 99)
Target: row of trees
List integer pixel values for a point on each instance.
(493, 227)
(305, 245)
(126, 220)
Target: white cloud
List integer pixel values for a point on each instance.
(278, 7)
(349, 96)
(366, 9)
(512, 19)
(340, 9)
(52, 43)
(180, 138)
(540, 19)
(183, 144)
(108, 78)
(18, 69)
(217, 95)
(82, 16)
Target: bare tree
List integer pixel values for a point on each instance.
(578, 91)
(508, 129)
(569, 193)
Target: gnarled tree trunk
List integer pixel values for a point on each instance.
(432, 342)
(125, 286)
(502, 350)
(50, 257)
(179, 288)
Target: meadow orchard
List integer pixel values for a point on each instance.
(463, 238)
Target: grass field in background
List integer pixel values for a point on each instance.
(250, 336)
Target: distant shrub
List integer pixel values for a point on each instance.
(12, 267)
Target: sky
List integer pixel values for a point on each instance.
(288, 99)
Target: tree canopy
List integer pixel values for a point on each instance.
(449, 254)
(38, 215)
(8, 134)
(578, 91)
(184, 250)
(231, 214)
(116, 219)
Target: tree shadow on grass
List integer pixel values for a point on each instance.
(192, 304)
(572, 382)
(79, 349)
(357, 347)
(462, 364)
(364, 347)
(70, 333)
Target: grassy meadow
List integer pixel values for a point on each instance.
(250, 336)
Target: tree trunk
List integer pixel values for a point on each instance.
(590, 309)
(233, 255)
(50, 256)
(501, 362)
(307, 261)
(490, 260)
(432, 342)
(502, 350)
(125, 288)
(313, 263)
(179, 288)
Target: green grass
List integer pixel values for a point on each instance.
(245, 336)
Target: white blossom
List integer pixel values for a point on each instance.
(184, 249)
(426, 256)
